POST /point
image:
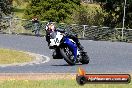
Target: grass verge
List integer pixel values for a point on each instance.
(12, 56)
(56, 84)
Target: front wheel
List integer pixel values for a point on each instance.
(56, 54)
(67, 55)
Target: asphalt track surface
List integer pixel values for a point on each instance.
(105, 56)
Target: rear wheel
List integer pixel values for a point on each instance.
(67, 55)
(85, 58)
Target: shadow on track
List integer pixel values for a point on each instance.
(68, 65)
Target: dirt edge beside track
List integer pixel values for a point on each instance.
(36, 76)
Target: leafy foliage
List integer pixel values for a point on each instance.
(114, 8)
(5, 7)
(89, 15)
(55, 10)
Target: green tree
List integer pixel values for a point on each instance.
(114, 8)
(19, 2)
(5, 7)
(55, 10)
(89, 15)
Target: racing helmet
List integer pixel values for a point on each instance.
(51, 27)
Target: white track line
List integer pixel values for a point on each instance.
(39, 59)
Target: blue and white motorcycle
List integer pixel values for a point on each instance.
(66, 48)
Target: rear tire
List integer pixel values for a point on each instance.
(67, 58)
(85, 58)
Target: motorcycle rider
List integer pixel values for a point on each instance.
(50, 27)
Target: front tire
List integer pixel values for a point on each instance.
(67, 55)
(56, 54)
